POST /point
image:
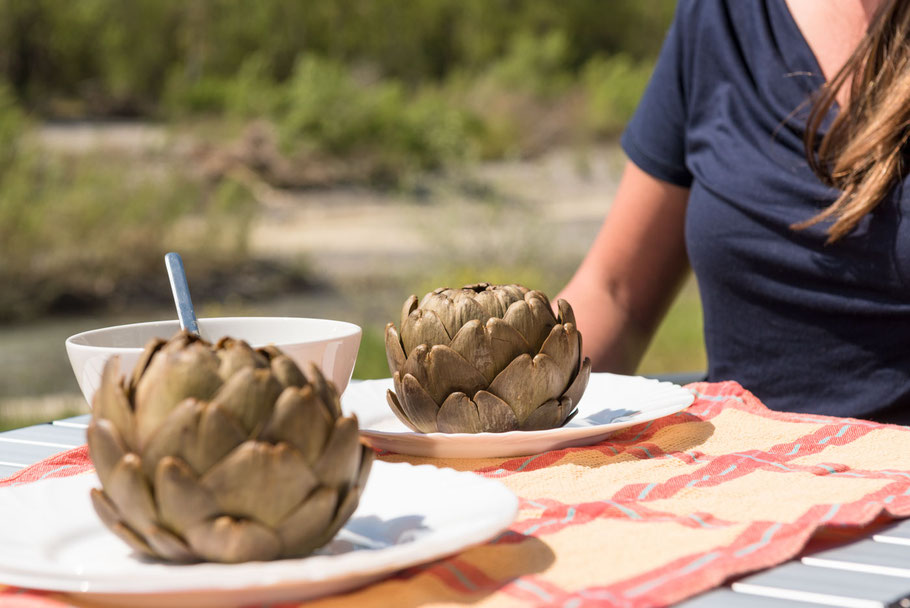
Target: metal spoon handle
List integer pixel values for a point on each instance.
(181, 291)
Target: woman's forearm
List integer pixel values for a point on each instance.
(632, 272)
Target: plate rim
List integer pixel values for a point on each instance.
(565, 432)
(279, 573)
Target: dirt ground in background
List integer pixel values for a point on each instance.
(349, 233)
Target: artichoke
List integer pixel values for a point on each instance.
(223, 453)
(485, 359)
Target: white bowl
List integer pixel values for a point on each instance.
(331, 345)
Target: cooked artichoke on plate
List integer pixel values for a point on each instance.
(223, 453)
(485, 358)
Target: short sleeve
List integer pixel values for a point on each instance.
(655, 137)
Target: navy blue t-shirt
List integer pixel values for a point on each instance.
(807, 327)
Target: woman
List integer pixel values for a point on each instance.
(770, 151)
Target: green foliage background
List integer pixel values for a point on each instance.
(412, 86)
(110, 56)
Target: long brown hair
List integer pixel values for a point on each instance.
(865, 151)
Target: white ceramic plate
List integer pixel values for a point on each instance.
(611, 402)
(50, 538)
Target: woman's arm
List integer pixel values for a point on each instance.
(632, 272)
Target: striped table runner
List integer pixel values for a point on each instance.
(659, 512)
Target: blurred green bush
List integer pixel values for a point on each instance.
(396, 86)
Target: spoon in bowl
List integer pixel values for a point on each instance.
(181, 290)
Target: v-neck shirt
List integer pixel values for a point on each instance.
(807, 327)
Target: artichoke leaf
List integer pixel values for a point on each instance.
(105, 447)
(580, 383)
(324, 389)
(269, 351)
(346, 508)
(491, 302)
(458, 414)
(416, 403)
(151, 347)
(168, 546)
(235, 355)
(134, 540)
(178, 430)
(441, 371)
(392, 400)
(394, 351)
(106, 510)
(520, 317)
(445, 292)
(286, 372)
(230, 540)
(249, 396)
(301, 420)
(260, 481)
(466, 310)
(129, 490)
(171, 377)
(494, 299)
(495, 414)
(489, 348)
(543, 316)
(367, 455)
(182, 501)
(528, 383)
(110, 402)
(198, 432)
(410, 305)
(473, 344)
(562, 347)
(441, 307)
(340, 460)
(550, 415)
(110, 517)
(219, 433)
(506, 342)
(566, 315)
(308, 521)
(423, 327)
(539, 295)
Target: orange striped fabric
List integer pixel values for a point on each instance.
(655, 514)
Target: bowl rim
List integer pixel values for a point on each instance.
(72, 341)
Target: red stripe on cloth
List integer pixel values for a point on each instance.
(761, 545)
(537, 592)
(71, 462)
(13, 597)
